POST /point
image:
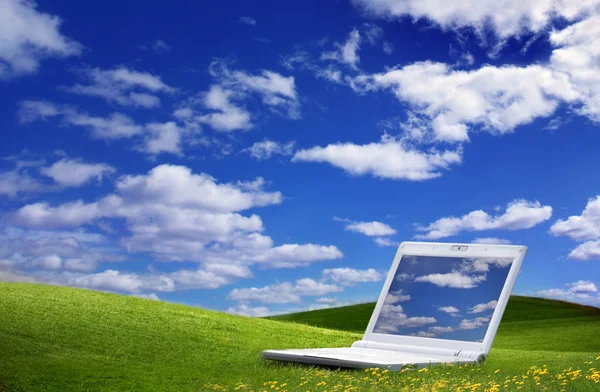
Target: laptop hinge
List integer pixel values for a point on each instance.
(473, 355)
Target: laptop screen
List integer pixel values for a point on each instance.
(443, 297)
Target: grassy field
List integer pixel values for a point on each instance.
(570, 326)
(64, 339)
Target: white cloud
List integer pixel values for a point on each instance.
(122, 86)
(424, 334)
(68, 257)
(519, 214)
(31, 110)
(272, 86)
(583, 287)
(114, 126)
(491, 241)
(383, 241)
(163, 137)
(441, 330)
(117, 281)
(581, 228)
(482, 264)
(51, 262)
(392, 316)
(433, 332)
(393, 297)
(372, 33)
(158, 46)
(267, 148)
(294, 255)
(165, 184)
(583, 292)
(144, 100)
(330, 73)
(283, 293)
(277, 92)
(227, 116)
(17, 182)
(480, 308)
(404, 277)
(42, 215)
(450, 101)
(70, 250)
(346, 53)
(327, 300)
(158, 137)
(299, 59)
(577, 55)
(350, 276)
(27, 36)
(388, 47)
(197, 279)
(177, 215)
(371, 229)
(74, 172)
(386, 159)
(8, 276)
(509, 18)
(223, 107)
(478, 322)
(454, 279)
(245, 310)
(21, 179)
(128, 282)
(589, 250)
(447, 104)
(248, 20)
(448, 309)
(151, 296)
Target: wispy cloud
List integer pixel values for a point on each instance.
(158, 46)
(519, 214)
(480, 308)
(267, 148)
(248, 20)
(22, 47)
(388, 159)
(121, 85)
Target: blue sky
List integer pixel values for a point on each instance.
(265, 158)
(443, 297)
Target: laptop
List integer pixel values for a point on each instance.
(440, 303)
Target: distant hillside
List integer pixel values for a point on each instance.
(520, 324)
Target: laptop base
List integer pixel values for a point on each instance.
(362, 358)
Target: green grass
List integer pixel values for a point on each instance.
(356, 317)
(64, 339)
(565, 326)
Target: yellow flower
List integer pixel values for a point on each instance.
(497, 371)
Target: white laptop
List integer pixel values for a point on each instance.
(440, 303)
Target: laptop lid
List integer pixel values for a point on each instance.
(445, 295)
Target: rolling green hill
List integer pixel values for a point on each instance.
(65, 339)
(523, 319)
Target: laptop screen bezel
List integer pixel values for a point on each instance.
(449, 250)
